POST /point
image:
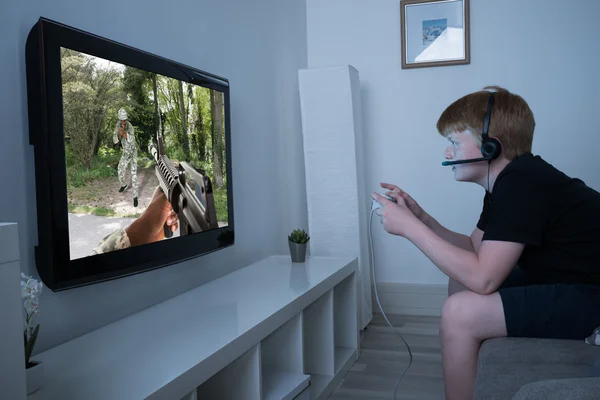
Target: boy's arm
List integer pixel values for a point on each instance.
(453, 285)
(470, 243)
(482, 271)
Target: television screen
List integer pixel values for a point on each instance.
(133, 160)
(116, 118)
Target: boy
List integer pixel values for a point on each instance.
(533, 215)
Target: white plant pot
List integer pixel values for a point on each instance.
(35, 376)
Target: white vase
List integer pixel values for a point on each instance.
(35, 376)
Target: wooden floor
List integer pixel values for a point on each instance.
(384, 358)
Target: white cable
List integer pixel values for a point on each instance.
(379, 303)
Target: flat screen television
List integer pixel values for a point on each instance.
(132, 157)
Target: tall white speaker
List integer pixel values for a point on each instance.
(338, 202)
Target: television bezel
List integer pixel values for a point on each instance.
(45, 114)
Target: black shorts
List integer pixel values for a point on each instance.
(557, 311)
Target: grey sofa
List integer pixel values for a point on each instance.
(536, 369)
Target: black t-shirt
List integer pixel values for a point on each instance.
(557, 218)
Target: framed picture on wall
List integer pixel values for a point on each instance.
(434, 33)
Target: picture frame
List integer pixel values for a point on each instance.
(434, 33)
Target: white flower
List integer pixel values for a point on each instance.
(31, 306)
(30, 287)
(30, 293)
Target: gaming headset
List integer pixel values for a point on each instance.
(490, 148)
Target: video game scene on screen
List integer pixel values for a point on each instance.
(139, 147)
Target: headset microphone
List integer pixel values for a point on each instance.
(470, 160)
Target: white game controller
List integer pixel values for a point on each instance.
(375, 204)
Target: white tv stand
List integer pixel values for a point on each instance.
(272, 330)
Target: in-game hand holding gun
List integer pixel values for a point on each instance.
(195, 208)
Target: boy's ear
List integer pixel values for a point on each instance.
(491, 148)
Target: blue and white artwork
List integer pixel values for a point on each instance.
(432, 29)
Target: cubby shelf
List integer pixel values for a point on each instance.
(345, 315)
(238, 380)
(306, 356)
(281, 361)
(313, 350)
(285, 385)
(274, 330)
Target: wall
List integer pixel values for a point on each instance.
(243, 41)
(292, 55)
(545, 51)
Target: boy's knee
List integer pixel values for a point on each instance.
(453, 312)
(460, 310)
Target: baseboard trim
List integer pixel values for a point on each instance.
(410, 299)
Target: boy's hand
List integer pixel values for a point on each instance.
(396, 218)
(412, 205)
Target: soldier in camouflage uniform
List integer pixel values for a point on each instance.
(124, 133)
(117, 240)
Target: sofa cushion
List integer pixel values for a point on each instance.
(560, 389)
(506, 364)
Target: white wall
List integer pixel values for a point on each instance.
(292, 55)
(546, 51)
(246, 42)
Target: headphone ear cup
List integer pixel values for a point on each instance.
(491, 149)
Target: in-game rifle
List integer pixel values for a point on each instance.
(195, 207)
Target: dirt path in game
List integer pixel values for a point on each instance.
(102, 195)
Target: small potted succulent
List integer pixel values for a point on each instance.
(298, 241)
